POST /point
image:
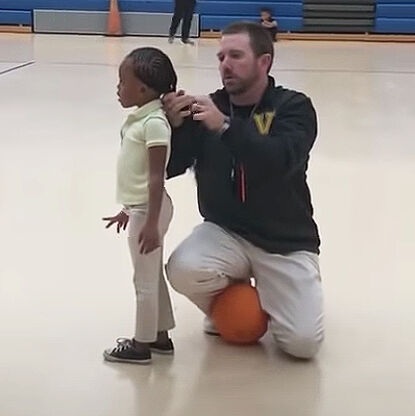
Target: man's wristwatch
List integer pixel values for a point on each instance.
(226, 124)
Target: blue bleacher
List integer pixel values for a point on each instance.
(397, 26)
(396, 11)
(395, 16)
(395, 2)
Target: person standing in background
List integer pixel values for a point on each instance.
(183, 11)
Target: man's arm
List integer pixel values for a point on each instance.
(185, 140)
(185, 144)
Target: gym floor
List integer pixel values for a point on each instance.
(65, 282)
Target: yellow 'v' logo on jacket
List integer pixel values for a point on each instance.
(263, 122)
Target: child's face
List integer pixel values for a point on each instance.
(265, 15)
(130, 88)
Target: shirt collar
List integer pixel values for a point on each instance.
(146, 109)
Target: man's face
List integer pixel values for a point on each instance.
(239, 67)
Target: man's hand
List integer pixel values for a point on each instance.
(205, 110)
(121, 219)
(177, 107)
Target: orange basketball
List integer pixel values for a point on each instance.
(238, 315)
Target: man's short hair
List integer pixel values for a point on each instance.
(260, 39)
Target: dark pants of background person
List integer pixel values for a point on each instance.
(183, 9)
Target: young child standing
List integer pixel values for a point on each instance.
(269, 23)
(144, 76)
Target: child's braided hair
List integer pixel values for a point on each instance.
(154, 68)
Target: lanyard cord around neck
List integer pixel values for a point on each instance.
(239, 167)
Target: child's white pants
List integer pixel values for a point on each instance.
(154, 309)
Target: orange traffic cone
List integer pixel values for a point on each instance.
(114, 20)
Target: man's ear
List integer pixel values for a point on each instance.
(265, 61)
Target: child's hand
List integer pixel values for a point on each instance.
(121, 219)
(149, 238)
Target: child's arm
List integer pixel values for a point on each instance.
(149, 238)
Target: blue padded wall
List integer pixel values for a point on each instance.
(397, 26)
(392, 16)
(395, 10)
(395, 1)
(395, 16)
(219, 22)
(15, 17)
(55, 4)
(243, 8)
(214, 14)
